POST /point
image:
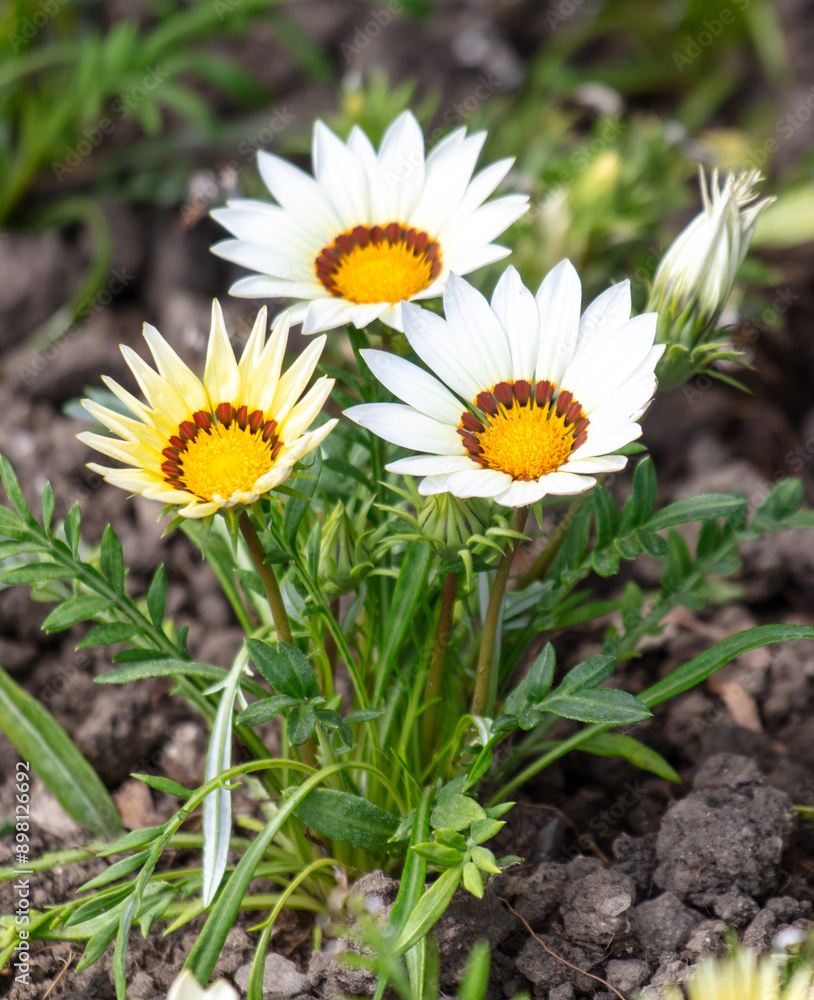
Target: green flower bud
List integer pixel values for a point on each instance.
(451, 522)
(343, 553)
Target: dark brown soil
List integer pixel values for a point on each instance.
(625, 877)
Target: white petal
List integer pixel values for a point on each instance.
(261, 287)
(341, 176)
(173, 369)
(514, 306)
(300, 195)
(404, 426)
(606, 313)
(401, 166)
(490, 220)
(430, 338)
(326, 314)
(362, 315)
(521, 493)
(267, 225)
(414, 386)
(448, 173)
(465, 259)
(275, 262)
(430, 465)
(558, 302)
(478, 483)
(475, 331)
(565, 483)
(604, 463)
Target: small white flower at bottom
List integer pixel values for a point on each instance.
(187, 987)
(536, 398)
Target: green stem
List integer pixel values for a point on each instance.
(267, 578)
(435, 673)
(486, 655)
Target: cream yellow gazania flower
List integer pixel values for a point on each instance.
(217, 443)
(741, 977)
(370, 228)
(187, 987)
(531, 398)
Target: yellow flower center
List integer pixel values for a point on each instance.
(525, 432)
(217, 455)
(379, 264)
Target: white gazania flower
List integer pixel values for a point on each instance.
(368, 229)
(187, 987)
(217, 443)
(538, 398)
(700, 266)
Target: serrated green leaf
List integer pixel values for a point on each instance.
(76, 609)
(157, 596)
(65, 772)
(286, 668)
(347, 818)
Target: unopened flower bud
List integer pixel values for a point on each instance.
(451, 522)
(695, 277)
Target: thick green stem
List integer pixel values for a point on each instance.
(267, 578)
(435, 673)
(486, 655)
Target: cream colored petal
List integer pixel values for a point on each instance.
(174, 371)
(294, 381)
(221, 376)
(161, 396)
(132, 480)
(252, 352)
(306, 411)
(198, 510)
(124, 451)
(166, 494)
(125, 427)
(263, 380)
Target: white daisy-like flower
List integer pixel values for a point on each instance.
(220, 442)
(535, 400)
(369, 229)
(187, 987)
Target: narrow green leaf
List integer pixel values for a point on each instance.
(99, 943)
(295, 509)
(438, 854)
(75, 610)
(617, 745)
(605, 705)
(105, 635)
(475, 980)
(347, 818)
(414, 875)
(700, 667)
(207, 948)
(472, 880)
(605, 514)
(11, 526)
(132, 841)
(12, 487)
(111, 559)
(286, 668)
(65, 772)
(72, 522)
(33, 574)
(141, 669)
(157, 596)
(430, 908)
(47, 506)
(589, 673)
(407, 593)
(645, 489)
(117, 870)
(695, 509)
(163, 785)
